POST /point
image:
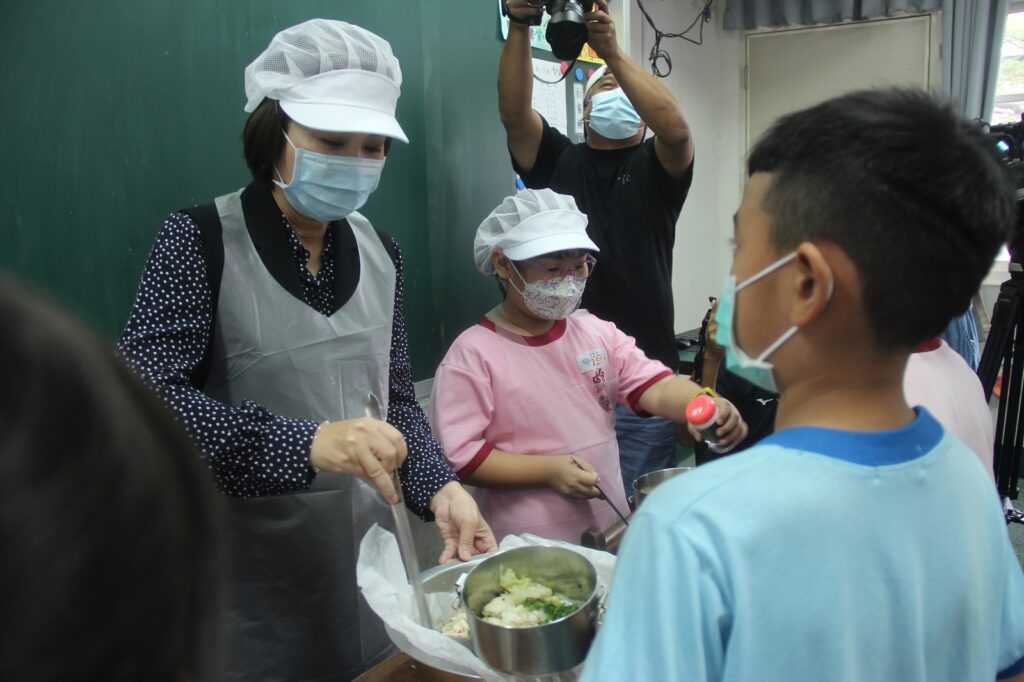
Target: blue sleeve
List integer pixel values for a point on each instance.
(667, 617)
(1011, 644)
(251, 451)
(962, 336)
(425, 469)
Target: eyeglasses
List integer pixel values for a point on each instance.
(581, 269)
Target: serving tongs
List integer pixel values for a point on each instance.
(371, 407)
(601, 494)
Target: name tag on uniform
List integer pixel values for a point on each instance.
(592, 359)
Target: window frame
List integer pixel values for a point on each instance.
(1014, 7)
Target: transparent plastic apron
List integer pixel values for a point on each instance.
(295, 609)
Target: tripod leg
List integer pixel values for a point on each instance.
(1009, 426)
(1005, 314)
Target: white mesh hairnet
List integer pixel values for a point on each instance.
(596, 76)
(554, 224)
(314, 47)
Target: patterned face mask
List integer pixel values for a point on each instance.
(552, 299)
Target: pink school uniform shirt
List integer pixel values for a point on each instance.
(938, 378)
(553, 394)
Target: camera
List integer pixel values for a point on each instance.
(567, 29)
(1008, 140)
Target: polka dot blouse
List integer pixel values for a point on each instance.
(251, 451)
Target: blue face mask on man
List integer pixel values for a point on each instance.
(328, 187)
(757, 371)
(612, 115)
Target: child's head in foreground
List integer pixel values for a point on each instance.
(881, 211)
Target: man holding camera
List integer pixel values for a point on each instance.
(631, 189)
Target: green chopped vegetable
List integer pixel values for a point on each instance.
(552, 610)
(526, 602)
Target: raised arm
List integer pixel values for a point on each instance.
(657, 106)
(523, 125)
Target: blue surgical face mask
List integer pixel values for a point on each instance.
(757, 371)
(612, 115)
(328, 187)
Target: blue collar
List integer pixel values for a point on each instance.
(869, 448)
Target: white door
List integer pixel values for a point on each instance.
(793, 69)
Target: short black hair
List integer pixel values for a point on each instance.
(109, 522)
(916, 196)
(263, 140)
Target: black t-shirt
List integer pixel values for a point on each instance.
(632, 204)
(756, 405)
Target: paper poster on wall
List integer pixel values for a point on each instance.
(577, 105)
(538, 40)
(549, 98)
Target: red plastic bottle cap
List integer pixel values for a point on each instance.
(563, 67)
(701, 411)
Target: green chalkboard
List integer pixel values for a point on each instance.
(118, 112)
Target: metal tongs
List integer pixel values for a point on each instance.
(600, 492)
(371, 407)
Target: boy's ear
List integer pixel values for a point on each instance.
(813, 285)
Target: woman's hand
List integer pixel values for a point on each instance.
(463, 530)
(367, 448)
(731, 427)
(572, 480)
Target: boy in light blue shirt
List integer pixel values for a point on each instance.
(860, 542)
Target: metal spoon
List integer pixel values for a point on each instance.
(601, 493)
(371, 407)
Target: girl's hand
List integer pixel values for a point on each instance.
(573, 481)
(731, 427)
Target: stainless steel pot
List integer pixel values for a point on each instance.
(542, 649)
(643, 486)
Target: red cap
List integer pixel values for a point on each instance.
(701, 411)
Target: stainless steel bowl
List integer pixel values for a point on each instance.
(643, 486)
(541, 649)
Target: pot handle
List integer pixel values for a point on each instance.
(600, 611)
(460, 582)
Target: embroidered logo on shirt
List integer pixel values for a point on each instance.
(601, 390)
(764, 401)
(592, 359)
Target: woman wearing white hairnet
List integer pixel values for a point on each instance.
(265, 319)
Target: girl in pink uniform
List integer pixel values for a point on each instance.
(524, 401)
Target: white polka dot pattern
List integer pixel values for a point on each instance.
(251, 451)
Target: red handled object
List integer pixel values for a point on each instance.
(702, 413)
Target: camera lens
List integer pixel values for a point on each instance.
(567, 32)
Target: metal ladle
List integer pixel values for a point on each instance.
(371, 407)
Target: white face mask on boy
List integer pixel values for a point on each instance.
(757, 371)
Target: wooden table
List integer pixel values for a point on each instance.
(401, 668)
